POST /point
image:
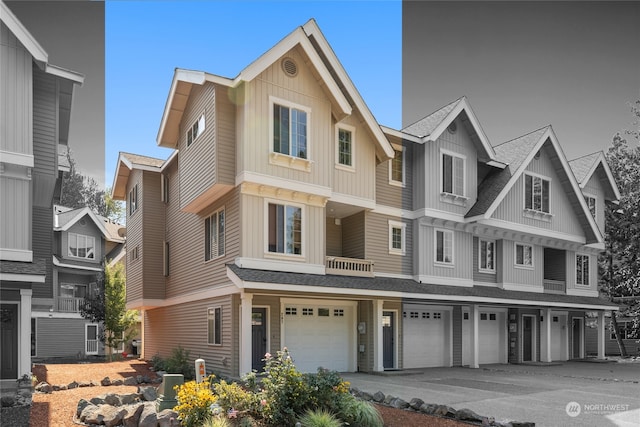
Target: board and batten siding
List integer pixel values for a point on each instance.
(185, 233)
(516, 275)
(564, 218)
(15, 211)
(359, 182)
(462, 254)
(431, 183)
(253, 214)
(153, 218)
(303, 90)
(16, 125)
(185, 325)
(394, 195)
(594, 188)
(42, 230)
(377, 245)
(572, 271)
(135, 284)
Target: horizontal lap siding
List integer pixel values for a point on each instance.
(333, 238)
(16, 101)
(42, 230)
(377, 248)
(90, 229)
(522, 276)
(353, 236)
(394, 195)
(152, 236)
(15, 227)
(225, 116)
(45, 119)
(462, 254)
(60, 337)
(185, 325)
(135, 285)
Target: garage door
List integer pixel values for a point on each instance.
(320, 335)
(425, 333)
(491, 338)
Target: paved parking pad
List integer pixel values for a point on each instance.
(569, 394)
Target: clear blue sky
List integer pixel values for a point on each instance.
(146, 41)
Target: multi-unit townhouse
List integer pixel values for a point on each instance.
(35, 109)
(82, 242)
(288, 217)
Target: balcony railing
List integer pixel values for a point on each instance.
(554, 286)
(69, 304)
(349, 266)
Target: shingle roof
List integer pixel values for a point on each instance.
(513, 153)
(408, 286)
(143, 160)
(38, 266)
(425, 126)
(582, 165)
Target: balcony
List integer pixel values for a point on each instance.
(348, 266)
(68, 304)
(554, 286)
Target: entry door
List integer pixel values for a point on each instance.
(258, 337)
(9, 341)
(527, 338)
(91, 346)
(388, 341)
(576, 333)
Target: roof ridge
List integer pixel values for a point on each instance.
(433, 112)
(523, 136)
(586, 155)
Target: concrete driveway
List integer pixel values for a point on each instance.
(567, 394)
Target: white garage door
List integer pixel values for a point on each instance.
(425, 333)
(319, 335)
(491, 337)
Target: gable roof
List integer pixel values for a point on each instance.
(338, 85)
(429, 128)
(584, 167)
(517, 154)
(65, 219)
(126, 163)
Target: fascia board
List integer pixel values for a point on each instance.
(82, 213)
(64, 73)
(122, 161)
(25, 37)
(401, 135)
(612, 182)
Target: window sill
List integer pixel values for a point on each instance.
(581, 286)
(523, 267)
(396, 183)
(444, 264)
(454, 199)
(539, 215)
(480, 270)
(345, 168)
(284, 257)
(396, 252)
(290, 161)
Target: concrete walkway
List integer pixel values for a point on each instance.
(560, 394)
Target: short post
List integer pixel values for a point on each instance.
(201, 372)
(166, 393)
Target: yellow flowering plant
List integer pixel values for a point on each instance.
(194, 402)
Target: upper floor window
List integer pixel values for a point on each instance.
(214, 325)
(396, 166)
(81, 246)
(591, 202)
(524, 255)
(164, 183)
(536, 193)
(214, 235)
(285, 229)
(290, 131)
(195, 130)
(444, 246)
(582, 270)
(487, 254)
(344, 148)
(397, 237)
(453, 174)
(133, 200)
(73, 291)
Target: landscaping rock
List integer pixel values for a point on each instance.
(399, 403)
(428, 408)
(72, 385)
(43, 387)
(98, 400)
(7, 401)
(416, 403)
(132, 415)
(522, 424)
(105, 382)
(445, 411)
(148, 393)
(117, 382)
(81, 405)
(112, 399)
(378, 397)
(112, 416)
(128, 399)
(366, 396)
(167, 418)
(465, 414)
(148, 417)
(130, 381)
(84, 384)
(90, 412)
(388, 398)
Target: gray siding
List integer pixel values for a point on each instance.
(152, 235)
(353, 237)
(60, 337)
(15, 227)
(135, 285)
(42, 248)
(393, 195)
(45, 123)
(333, 238)
(89, 228)
(225, 116)
(594, 188)
(457, 335)
(479, 276)
(377, 249)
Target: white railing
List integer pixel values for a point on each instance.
(92, 347)
(349, 266)
(68, 304)
(554, 286)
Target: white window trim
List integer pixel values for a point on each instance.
(452, 197)
(486, 270)
(402, 226)
(164, 188)
(515, 256)
(86, 237)
(582, 285)
(288, 160)
(133, 204)
(208, 217)
(214, 307)
(533, 213)
(351, 129)
(402, 184)
(201, 127)
(303, 243)
(595, 199)
(435, 248)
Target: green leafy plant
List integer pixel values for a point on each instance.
(158, 363)
(217, 421)
(360, 413)
(233, 396)
(178, 363)
(319, 418)
(194, 402)
(327, 389)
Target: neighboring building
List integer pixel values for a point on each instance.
(35, 109)
(288, 217)
(611, 348)
(82, 242)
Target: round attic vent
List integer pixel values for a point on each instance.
(83, 222)
(289, 67)
(452, 127)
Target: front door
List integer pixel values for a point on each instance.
(527, 339)
(576, 333)
(388, 341)
(9, 341)
(258, 337)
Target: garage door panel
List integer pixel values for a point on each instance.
(425, 338)
(491, 337)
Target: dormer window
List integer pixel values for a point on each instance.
(396, 167)
(345, 153)
(81, 246)
(591, 202)
(453, 173)
(536, 193)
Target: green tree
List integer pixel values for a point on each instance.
(620, 263)
(108, 307)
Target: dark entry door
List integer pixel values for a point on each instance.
(258, 337)
(388, 344)
(527, 338)
(576, 333)
(9, 341)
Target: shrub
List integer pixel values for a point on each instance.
(194, 402)
(158, 363)
(359, 413)
(327, 389)
(233, 396)
(178, 363)
(216, 421)
(319, 418)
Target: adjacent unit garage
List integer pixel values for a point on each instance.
(427, 332)
(559, 338)
(320, 334)
(492, 333)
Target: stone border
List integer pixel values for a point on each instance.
(45, 387)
